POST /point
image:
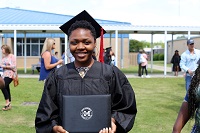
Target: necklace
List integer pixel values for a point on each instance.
(82, 71)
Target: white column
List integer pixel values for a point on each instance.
(66, 48)
(151, 52)
(116, 47)
(188, 34)
(172, 48)
(110, 40)
(1, 40)
(165, 55)
(122, 53)
(15, 43)
(25, 54)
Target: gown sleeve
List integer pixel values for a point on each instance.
(124, 103)
(47, 113)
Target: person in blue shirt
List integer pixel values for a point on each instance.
(63, 57)
(191, 106)
(139, 63)
(71, 57)
(189, 61)
(48, 61)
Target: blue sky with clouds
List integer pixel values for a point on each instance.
(137, 12)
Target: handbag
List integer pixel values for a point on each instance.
(15, 80)
(142, 59)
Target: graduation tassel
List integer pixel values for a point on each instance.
(101, 59)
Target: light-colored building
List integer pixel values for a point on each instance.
(181, 46)
(26, 30)
(32, 27)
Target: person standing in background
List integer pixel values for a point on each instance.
(144, 64)
(63, 57)
(139, 63)
(176, 61)
(8, 64)
(70, 56)
(112, 58)
(48, 61)
(56, 55)
(94, 55)
(38, 65)
(189, 61)
(107, 56)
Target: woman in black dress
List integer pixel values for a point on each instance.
(175, 61)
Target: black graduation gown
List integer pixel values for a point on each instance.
(107, 59)
(100, 79)
(176, 61)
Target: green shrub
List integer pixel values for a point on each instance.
(161, 57)
(158, 57)
(155, 57)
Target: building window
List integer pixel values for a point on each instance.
(28, 53)
(34, 50)
(63, 45)
(19, 49)
(33, 46)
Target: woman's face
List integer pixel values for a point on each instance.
(191, 47)
(54, 45)
(82, 44)
(3, 51)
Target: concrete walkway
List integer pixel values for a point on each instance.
(28, 76)
(169, 74)
(168, 69)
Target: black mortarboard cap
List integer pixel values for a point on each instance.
(84, 15)
(108, 48)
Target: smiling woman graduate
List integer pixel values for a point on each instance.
(85, 76)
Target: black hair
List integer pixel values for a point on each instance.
(176, 54)
(82, 24)
(192, 105)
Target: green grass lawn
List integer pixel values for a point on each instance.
(161, 63)
(134, 70)
(158, 102)
(28, 71)
(130, 70)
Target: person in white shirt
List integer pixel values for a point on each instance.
(189, 61)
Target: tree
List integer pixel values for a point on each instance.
(146, 44)
(159, 44)
(135, 45)
(181, 37)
